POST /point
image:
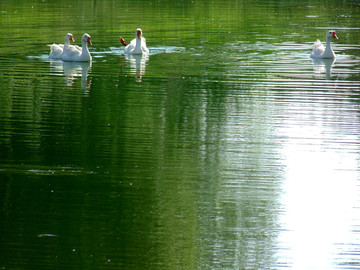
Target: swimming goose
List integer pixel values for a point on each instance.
(56, 50)
(75, 54)
(137, 45)
(320, 51)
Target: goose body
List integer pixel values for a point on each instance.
(79, 54)
(319, 51)
(137, 45)
(56, 50)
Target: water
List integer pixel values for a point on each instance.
(226, 148)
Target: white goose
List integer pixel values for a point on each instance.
(79, 54)
(56, 50)
(319, 50)
(137, 45)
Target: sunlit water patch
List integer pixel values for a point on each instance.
(314, 110)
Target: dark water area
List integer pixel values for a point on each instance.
(227, 147)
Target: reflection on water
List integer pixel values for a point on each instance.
(71, 70)
(320, 187)
(323, 66)
(137, 64)
(320, 194)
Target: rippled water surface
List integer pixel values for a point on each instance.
(227, 147)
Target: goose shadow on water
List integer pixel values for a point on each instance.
(323, 65)
(71, 70)
(137, 64)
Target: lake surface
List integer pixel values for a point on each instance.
(227, 147)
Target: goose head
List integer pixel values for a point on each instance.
(331, 34)
(138, 33)
(86, 39)
(69, 37)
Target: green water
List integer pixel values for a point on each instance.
(226, 148)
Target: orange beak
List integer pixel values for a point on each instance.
(89, 41)
(72, 39)
(138, 34)
(335, 36)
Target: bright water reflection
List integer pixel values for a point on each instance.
(320, 188)
(317, 127)
(226, 148)
(320, 194)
